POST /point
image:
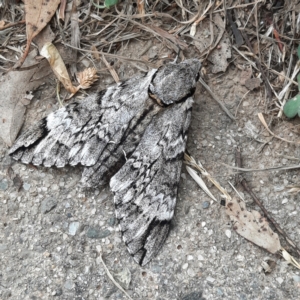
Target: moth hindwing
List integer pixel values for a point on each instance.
(144, 120)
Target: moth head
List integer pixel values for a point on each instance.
(173, 83)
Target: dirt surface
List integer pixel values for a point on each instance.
(52, 233)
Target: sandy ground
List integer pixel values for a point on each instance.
(52, 233)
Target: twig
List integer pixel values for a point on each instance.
(12, 24)
(262, 119)
(112, 278)
(266, 81)
(111, 70)
(280, 168)
(112, 55)
(238, 160)
(228, 113)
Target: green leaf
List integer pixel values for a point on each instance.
(292, 107)
(298, 52)
(298, 79)
(107, 4)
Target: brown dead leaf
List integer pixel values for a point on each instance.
(37, 14)
(252, 226)
(2, 24)
(58, 67)
(13, 100)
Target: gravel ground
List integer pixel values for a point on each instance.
(52, 234)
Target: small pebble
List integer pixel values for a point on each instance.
(193, 296)
(26, 186)
(111, 221)
(296, 278)
(210, 279)
(73, 227)
(95, 233)
(3, 185)
(228, 233)
(48, 204)
(185, 266)
(200, 257)
(205, 204)
(279, 280)
(69, 285)
(220, 292)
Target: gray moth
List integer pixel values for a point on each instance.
(135, 133)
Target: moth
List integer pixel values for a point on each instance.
(135, 133)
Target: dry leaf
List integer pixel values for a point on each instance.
(87, 77)
(13, 100)
(57, 64)
(252, 226)
(37, 14)
(2, 24)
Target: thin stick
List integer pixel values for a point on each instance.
(112, 279)
(238, 160)
(262, 119)
(111, 55)
(228, 113)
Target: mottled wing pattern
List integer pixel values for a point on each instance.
(96, 132)
(145, 188)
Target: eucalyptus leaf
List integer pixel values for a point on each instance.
(292, 107)
(298, 52)
(107, 4)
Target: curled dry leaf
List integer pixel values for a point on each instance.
(50, 52)
(37, 14)
(85, 78)
(252, 226)
(2, 24)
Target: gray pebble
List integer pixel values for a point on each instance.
(3, 185)
(48, 204)
(58, 292)
(95, 233)
(193, 296)
(156, 269)
(26, 186)
(220, 292)
(296, 278)
(69, 285)
(73, 227)
(111, 221)
(205, 204)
